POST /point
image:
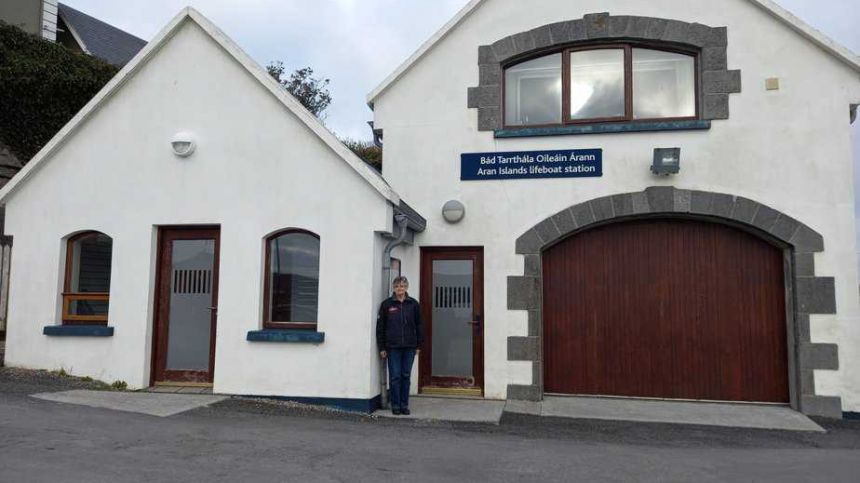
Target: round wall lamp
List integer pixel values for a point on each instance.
(453, 211)
(183, 144)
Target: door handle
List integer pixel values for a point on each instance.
(213, 308)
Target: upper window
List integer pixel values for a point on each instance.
(292, 280)
(601, 84)
(86, 291)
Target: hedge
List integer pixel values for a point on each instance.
(42, 86)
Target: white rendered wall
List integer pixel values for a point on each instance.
(789, 149)
(257, 169)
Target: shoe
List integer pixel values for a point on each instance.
(405, 411)
(395, 411)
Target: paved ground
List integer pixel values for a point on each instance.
(262, 441)
(450, 409)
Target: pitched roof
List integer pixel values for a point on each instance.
(824, 42)
(99, 38)
(151, 49)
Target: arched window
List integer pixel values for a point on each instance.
(86, 290)
(292, 280)
(601, 83)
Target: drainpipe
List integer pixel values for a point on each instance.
(402, 222)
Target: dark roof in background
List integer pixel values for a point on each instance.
(100, 39)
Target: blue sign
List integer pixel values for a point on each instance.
(570, 163)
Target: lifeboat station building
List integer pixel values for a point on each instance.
(610, 198)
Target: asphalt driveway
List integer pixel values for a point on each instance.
(264, 441)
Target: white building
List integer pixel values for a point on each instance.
(728, 275)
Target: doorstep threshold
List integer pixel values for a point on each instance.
(183, 384)
(461, 392)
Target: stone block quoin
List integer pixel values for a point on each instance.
(810, 294)
(716, 81)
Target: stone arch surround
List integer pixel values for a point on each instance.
(717, 82)
(806, 293)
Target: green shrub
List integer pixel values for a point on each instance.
(43, 86)
(119, 385)
(369, 152)
(61, 372)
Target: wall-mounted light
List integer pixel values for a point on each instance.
(453, 211)
(666, 161)
(183, 144)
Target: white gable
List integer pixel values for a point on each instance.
(114, 87)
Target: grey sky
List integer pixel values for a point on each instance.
(357, 43)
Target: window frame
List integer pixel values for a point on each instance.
(627, 47)
(267, 276)
(69, 296)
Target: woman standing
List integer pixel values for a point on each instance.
(399, 337)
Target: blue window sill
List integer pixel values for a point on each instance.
(78, 331)
(287, 336)
(604, 128)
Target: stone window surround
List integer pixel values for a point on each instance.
(806, 293)
(715, 85)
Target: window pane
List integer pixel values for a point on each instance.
(91, 260)
(395, 271)
(452, 313)
(294, 278)
(190, 327)
(533, 92)
(88, 307)
(597, 84)
(664, 84)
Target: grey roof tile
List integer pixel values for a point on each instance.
(101, 39)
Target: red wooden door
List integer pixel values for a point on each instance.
(186, 305)
(666, 309)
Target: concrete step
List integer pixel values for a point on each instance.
(739, 415)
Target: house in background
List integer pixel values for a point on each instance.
(37, 17)
(72, 28)
(81, 32)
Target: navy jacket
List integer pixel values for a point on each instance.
(398, 325)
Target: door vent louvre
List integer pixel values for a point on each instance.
(192, 281)
(452, 297)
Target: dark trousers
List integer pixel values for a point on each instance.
(399, 376)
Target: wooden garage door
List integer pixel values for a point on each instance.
(667, 309)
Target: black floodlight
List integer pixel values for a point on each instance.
(666, 161)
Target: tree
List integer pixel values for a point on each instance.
(369, 152)
(311, 91)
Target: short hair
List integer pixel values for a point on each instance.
(400, 279)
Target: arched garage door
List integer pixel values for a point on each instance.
(667, 309)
